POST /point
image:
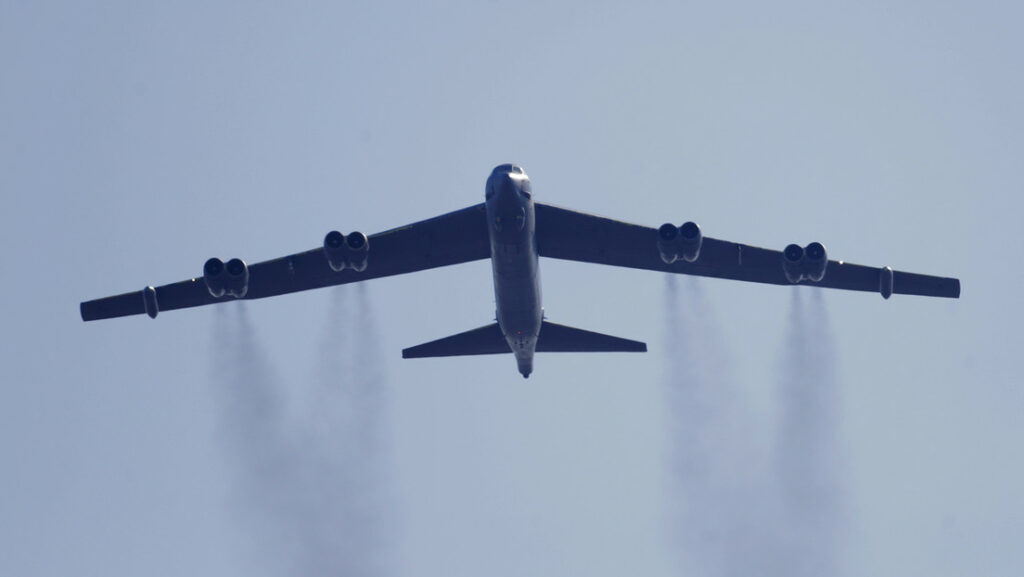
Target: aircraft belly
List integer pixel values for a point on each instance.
(514, 262)
(517, 296)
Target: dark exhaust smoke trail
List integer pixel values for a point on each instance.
(739, 513)
(720, 517)
(255, 431)
(349, 407)
(808, 449)
(310, 481)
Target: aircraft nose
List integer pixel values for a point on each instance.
(502, 189)
(508, 193)
(503, 182)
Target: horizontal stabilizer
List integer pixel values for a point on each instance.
(562, 339)
(486, 340)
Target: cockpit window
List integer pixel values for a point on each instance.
(508, 168)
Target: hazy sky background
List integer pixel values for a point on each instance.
(139, 139)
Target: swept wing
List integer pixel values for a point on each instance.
(452, 238)
(571, 235)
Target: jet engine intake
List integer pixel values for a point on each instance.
(690, 240)
(357, 249)
(334, 250)
(808, 263)
(681, 242)
(214, 277)
(237, 280)
(815, 261)
(344, 252)
(668, 243)
(793, 263)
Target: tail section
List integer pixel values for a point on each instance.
(486, 340)
(555, 338)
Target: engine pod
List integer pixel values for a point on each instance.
(237, 281)
(357, 248)
(213, 276)
(334, 250)
(668, 243)
(815, 261)
(690, 241)
(793, 263)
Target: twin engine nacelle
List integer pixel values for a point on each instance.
(346, 251)
(231, 278)
(804, 263)
(682, 242)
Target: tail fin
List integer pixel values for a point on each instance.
(486, 340)
(553, 338)
(562, 339)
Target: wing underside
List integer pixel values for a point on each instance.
(461, 236)
(449, 239)
(571, 235)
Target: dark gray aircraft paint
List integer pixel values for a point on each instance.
(512, 223)
(514, 231)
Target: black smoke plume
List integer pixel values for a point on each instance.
(309, 479)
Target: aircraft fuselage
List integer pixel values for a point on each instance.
(514, 261)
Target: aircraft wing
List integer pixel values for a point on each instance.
(452, 238)
(571, 235)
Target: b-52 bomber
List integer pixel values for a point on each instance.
(513, 231)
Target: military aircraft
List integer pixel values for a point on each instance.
(513, 231)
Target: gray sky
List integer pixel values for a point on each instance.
(138, 140)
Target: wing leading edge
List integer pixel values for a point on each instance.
(449, 239)
(461, 236)
(571, 235)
